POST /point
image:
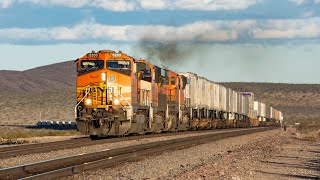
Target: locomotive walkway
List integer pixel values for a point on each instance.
(61, 167)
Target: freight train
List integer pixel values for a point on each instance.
(120, 95)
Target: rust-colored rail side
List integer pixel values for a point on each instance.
(56, 168)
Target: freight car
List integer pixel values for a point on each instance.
(119, 95)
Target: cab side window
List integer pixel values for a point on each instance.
(173, 80)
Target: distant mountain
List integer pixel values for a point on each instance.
(299, 102)
(19, 94)
(50, 77)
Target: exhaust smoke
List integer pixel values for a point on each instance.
(169, 54)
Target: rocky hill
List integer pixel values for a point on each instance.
(48, 93)
(299, 102)
(55, 76)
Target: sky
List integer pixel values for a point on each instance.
(223, 40)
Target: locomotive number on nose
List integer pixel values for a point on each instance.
(93, 55)
(116, 55)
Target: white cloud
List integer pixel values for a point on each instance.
(205, 31)
(298, 2)
(6, 3)
(307, 14)
(132, 5)
(154, 4)
(200, 31)
(119, 5)
(212, 5)
(67, 3)
(288, 29)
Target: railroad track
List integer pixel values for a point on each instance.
(18, 150)
(61, 167)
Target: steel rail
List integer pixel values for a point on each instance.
(18, 150)
(60, 167)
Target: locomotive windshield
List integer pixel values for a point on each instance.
(123, 64)
(90, 65)
(87, 66)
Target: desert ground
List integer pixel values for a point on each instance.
(276, 154)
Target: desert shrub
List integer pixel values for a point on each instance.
(306, 127)
(17, 132)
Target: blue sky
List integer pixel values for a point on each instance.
(226, 40)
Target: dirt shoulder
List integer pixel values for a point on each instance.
(21, 135)
(286, 155)
(223, 159)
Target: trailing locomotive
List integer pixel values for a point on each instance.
(119, 95)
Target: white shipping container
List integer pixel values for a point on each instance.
(263, 110)
(250, 97)
(191, 88)
(235, 102)
(223, 98)
(246, 105)
(227, 100)
(203, 92)
(240, 102)
(208, 94)
(216, 89)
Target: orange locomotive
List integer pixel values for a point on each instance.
(118, 95)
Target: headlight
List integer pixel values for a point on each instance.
(103, 76)
(116, 101)
(88, 102)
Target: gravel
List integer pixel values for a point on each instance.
(25, 159)
(174, 164)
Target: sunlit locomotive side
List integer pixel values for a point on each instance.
(118, 95)
(105, 93)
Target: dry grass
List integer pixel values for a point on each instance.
(13, 133)
(310, 132)
(299, 102)
(14, 141)
(29, 107)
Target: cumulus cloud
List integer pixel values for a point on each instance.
(300, 2)
(204, 31)
(307, 14)
(212, 5)
(288, 29)
(6, 3)
(132, 5)
(155, 4)
(200, 31)
(67, 3)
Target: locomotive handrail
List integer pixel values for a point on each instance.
(87, 92)
(115, 97)
(125, 100)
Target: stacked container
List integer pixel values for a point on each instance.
(223, 98)
(250, 103)
(209, 95)
(260, 109)
(216, 99)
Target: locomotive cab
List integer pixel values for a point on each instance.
(104, 93)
